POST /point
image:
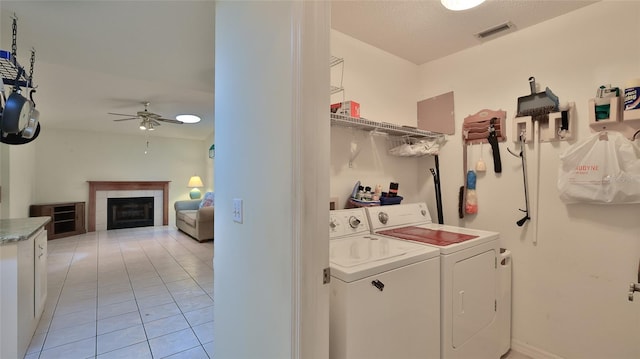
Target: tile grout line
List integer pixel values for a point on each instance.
(134, 293)
(95, 342)
(46, 335)
(170, 293)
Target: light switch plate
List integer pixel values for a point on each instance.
(237, 210)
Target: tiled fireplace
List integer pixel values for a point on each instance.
(100, 191)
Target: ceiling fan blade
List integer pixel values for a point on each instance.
(169, 121)
(150, 118)
(121, 114)
(148, 114)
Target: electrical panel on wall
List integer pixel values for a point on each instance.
(436, 114)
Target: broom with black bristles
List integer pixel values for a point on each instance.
(538, 105)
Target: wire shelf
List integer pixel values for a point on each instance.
(382, 127)
(333, 61)
(9, 71)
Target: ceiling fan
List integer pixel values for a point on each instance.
(148, 120)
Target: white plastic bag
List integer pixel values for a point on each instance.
(404, 150)
(604, 168)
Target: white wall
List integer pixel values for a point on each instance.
(569, 290)
(4, 181)
(385, 86)
(371, 167)
(66, 160)
(272, 136)
(18, 179)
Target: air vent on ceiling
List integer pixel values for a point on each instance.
(496, 30)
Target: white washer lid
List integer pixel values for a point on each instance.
(357, 257)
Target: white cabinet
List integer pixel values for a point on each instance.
(26, 276)
(40, 273)
(23, 284)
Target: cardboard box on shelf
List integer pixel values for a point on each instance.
(347, 108)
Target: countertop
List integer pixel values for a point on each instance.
(13, 230)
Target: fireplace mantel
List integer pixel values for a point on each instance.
(126, 186)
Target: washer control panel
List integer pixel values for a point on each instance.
(345, 222)
(398, 215)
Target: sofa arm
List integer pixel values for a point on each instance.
(186, 204)
(205, 214)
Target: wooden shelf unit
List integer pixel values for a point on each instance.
(67, 219)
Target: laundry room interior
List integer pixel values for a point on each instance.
(571, 263)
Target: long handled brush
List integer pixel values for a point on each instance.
(523, 158)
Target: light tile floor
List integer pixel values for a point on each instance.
(128, 293)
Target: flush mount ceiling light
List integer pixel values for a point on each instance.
(457, 5)
(188, 118)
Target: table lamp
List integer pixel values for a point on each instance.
(195, 182)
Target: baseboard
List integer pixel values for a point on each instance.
(535, 353)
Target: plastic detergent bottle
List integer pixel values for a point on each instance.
(369, 193)
(632, 95)
(377, 192)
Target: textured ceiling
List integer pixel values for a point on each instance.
(421, 31)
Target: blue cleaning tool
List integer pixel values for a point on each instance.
(471, 180)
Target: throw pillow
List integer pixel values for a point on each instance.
(207, 200)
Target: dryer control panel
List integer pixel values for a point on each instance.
(347, 222)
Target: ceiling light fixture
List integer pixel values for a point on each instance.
(188, 118)
(146, 125)
(457, 5)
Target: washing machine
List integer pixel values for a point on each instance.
(469, 277)
(385, 293)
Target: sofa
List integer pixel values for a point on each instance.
(195, 219)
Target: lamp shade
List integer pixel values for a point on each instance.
(457, 5)
(195, 181)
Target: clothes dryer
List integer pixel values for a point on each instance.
(469, 277)
(385, 293)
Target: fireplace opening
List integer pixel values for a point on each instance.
(129, 212)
